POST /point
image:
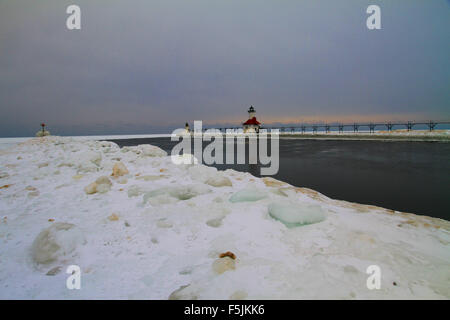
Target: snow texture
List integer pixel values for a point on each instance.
(158, 231)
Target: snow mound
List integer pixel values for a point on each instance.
(246, 195)
(185, 158)
(170, 246)
(146, 150)
(201, 172)
(119, 170)
(101, 185)
(219, 180)
(209, 175)
(222, 265)
(58, 240)
(294, 215)
(179, 193)
(83, 160)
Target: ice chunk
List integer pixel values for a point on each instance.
(201, 172)
(293, 215)
(219, 180)
(58, 240)
(185, 158)
(135, 191)
(91, 188)
(119, 170)
(101, 185)
(179, 192)
(188, 192)
(215, 223)
(146, 150)
(87, 161)
(186, 292)
(248, 195)
(223, 264)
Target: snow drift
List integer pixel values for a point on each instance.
(148, 228)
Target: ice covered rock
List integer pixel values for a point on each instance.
(103, 188)
(248, 194)
(185, 292)
(201, 173)
(94, 157)
(184, 159)
(119, 170)
(91, 188)
(219, 180)
(215, 223)
(4, 175)
(113, 217)
(33, 193)
(178, 192)
(42, 133)
(223, 264)
(163, 223)
(135, 191)
(58, 240)
(42, 165)
(103, 180)
(239, 295)
(152, 151)
(146, 150)
(101, 185)
(293, 215)
(54, 271)
(150, 177)
(85, 161)
(122, 180)
(188, 192)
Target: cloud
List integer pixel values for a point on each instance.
(153, 65)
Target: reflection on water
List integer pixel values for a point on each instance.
(405, 176)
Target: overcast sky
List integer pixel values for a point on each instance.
(149, 66)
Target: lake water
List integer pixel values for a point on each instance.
(405, 176)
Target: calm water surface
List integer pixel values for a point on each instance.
(405, 176)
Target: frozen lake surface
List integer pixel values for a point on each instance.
(405, 176)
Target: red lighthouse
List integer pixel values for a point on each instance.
(251, 125)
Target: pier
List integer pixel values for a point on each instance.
(355, 127)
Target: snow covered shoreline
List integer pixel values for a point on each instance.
(156, 230)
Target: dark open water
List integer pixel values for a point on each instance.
(405, 176)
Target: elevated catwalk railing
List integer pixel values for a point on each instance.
(324, 127)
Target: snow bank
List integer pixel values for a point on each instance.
(147, 228)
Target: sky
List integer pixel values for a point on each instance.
(150, 66)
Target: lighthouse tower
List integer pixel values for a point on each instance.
(251, 125)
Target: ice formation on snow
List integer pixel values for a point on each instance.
(101, 185)
(222, 265)
(119, 170)
(219, 180)
(293, 215)
(179, 192)
(159, 230)
(58, 240)
(146, 150)
(248, 194)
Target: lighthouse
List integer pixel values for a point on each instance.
(251, 125)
